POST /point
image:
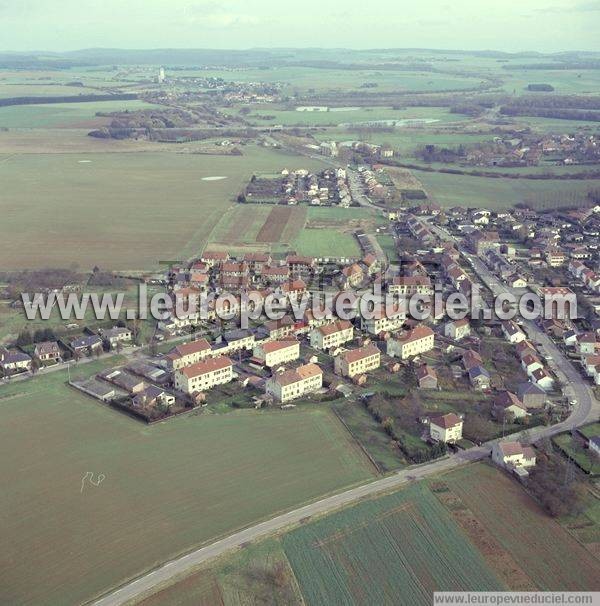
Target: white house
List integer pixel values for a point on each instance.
(512, 332)
(513, 456)
(457, 329)
(446, 428)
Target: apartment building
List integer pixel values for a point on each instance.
(295, 383)
(276, 353)
(416, 341)
(331, 335)
(204, 375)
(385, 320)
(187, 354)
(357, 361)
(411, 285)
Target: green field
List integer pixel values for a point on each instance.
(340, 216)
(462, 190)
(566, 81)
(119, 210)
(326, 243)
(64, 115)
(14, 320)
(405, 140)
(388, 244)
(394, 550)
(167, 488)
(474, 528)
(43, 90)
(335, 117)
(369, 433)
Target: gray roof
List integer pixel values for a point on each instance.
(529, 389)
(86, 341)
(479, 371)
(595, 440)
(14, 356)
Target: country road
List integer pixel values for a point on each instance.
(587, 409)
(585, 412)
(179, 566)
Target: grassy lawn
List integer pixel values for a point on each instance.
(167, 488)
(326, 243)
(118, 211)
(584, 458)
(591, 430)
(370, 435)
(388, 244)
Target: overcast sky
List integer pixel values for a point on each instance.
(509, 25)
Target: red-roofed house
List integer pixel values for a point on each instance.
(446, 428)
(204, 375)
(357, 361)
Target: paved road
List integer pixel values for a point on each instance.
(168, 571)
(586, 410)
(575, 386)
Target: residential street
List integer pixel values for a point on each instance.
(586, 409)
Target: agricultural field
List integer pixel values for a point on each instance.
(264, 115)
(474, 528)
(567, 81)
(494, 193)
(405, 139)
(95, 77)
(279, 229)
(64, 115)
(519, 539)
(166, 488)
(257, 574)
(119, 211)
(43, 90)
(394, 550)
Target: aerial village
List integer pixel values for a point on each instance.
(504, 372)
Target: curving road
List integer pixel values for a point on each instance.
(586, 409)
